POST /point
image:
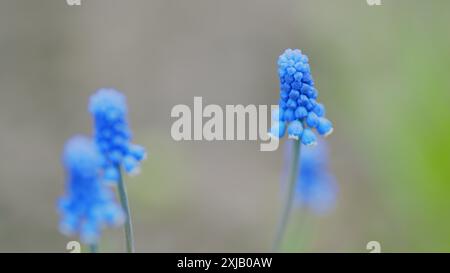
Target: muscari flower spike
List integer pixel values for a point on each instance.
(316, 186)
(89, 204)
(299, 110)
(112, 134)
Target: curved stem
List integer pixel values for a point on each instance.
(282, 224)
(126, 207)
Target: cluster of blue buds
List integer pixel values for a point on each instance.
(299, 110)
(89, 204)
(112, 134)
(316, 185)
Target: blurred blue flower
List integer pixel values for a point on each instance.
(112, 133)
(316, 185)
(297, 105)
(89, 204)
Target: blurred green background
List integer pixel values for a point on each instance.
(381, 72)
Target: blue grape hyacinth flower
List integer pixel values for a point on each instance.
(89, 204)
(112, 134)
(299, 110)
(316, 186)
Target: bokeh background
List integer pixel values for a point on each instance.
(382, 72)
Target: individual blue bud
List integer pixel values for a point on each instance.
(319, 109)
(309, 105)
(291, 71)
(289, 79)
(131, 165)
(138, 152)
(289, 115)
(303, 100)
(312, 120)
(295, 129)
(308, 79)
(300, 66)
(325, 127)
(313, 93)
(297, 85)
(285, 87)
(308, 137)
(301, 112)
(294, 95)
(298, 76)
(291, 104)
(305, 89)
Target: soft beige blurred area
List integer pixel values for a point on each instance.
(375, 68)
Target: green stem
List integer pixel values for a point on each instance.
(303, 229)
(93, 248)
(125, 205)
(282, 224)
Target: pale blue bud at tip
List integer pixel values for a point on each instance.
(108, 103)
(324, 127)
(295, 130)
(308, 137)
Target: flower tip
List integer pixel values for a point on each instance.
(293, 137)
